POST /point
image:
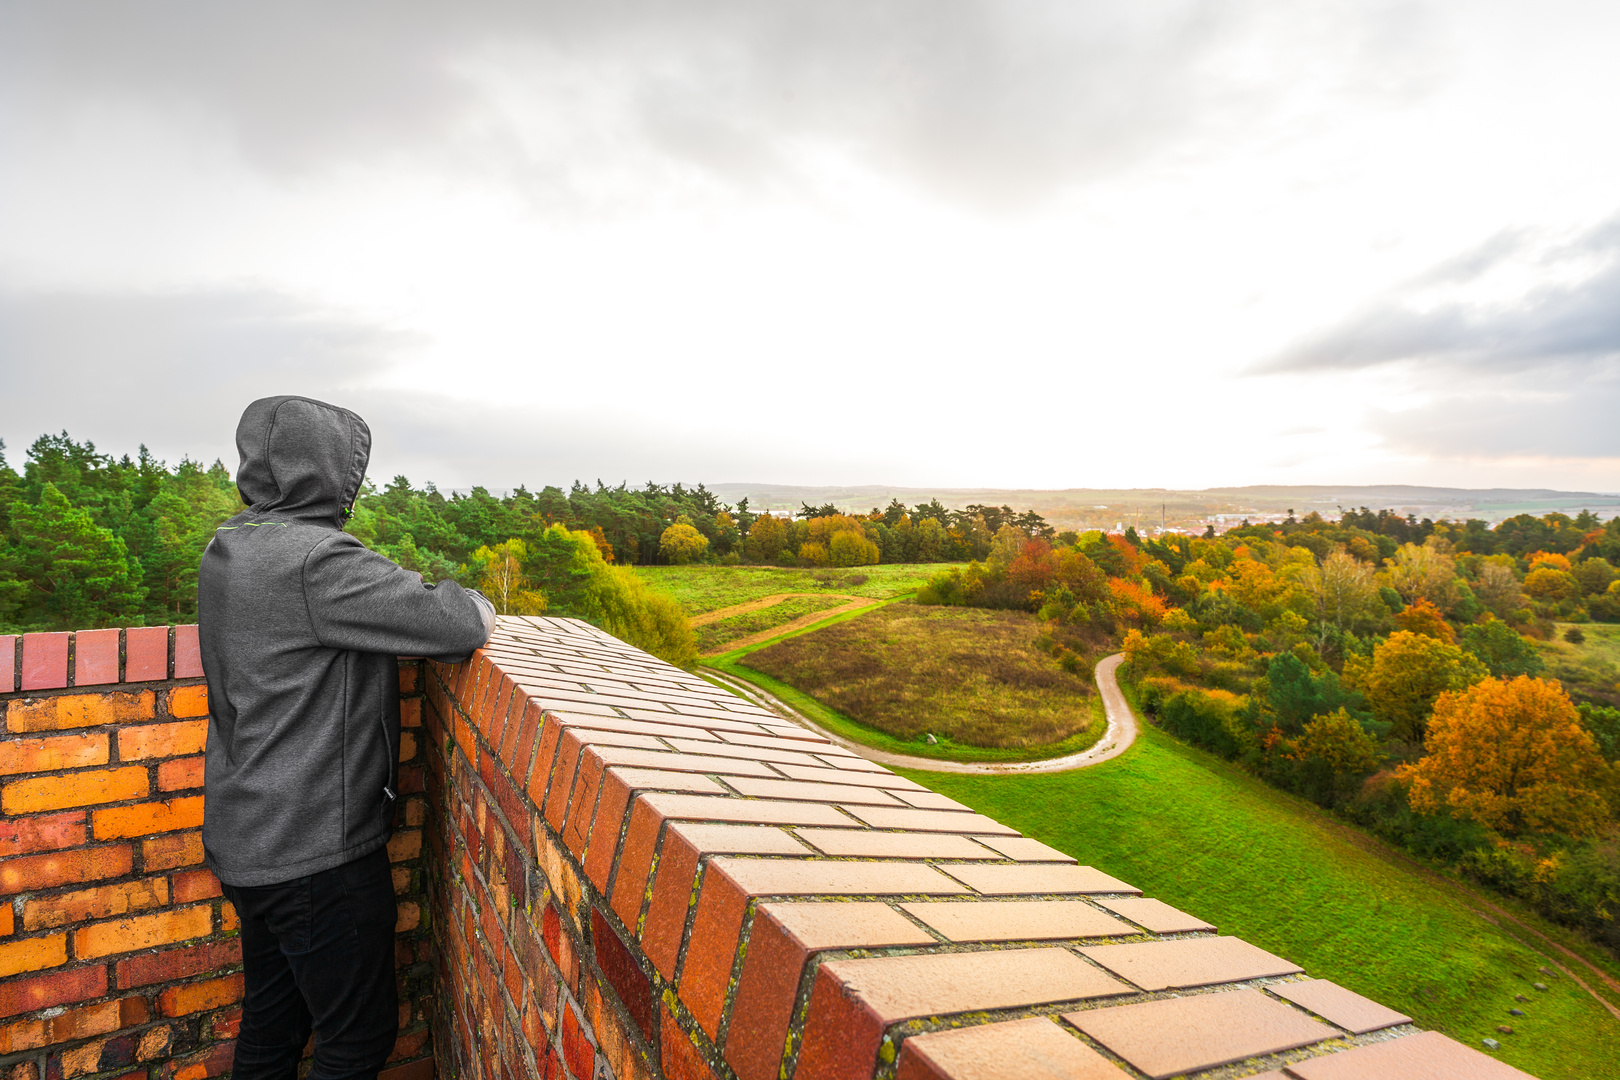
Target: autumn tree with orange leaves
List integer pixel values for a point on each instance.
(1513, 756)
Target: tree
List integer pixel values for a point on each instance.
(1340, 742)
(1422, 617)
(1346, 592)
(77, 574)
(681, 543)
(1427, 572)
(1504, 652)
(765, 539)
(499, 571)
(1513, 756)
(1550, 585)
(1497, 586)
(1595, 576)
(1408, 674)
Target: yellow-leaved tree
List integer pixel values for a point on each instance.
(500, 574)
(1408, 673)
(682, 543)
(1512, 755)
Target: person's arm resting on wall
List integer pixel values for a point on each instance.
(362, 601)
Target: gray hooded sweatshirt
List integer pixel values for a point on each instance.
(300, 626)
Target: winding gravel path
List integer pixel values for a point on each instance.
(1114, 742)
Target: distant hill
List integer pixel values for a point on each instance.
(1105, 507)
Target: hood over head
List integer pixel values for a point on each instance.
(301, 457)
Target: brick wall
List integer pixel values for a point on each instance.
(635, 874)
(610, 869)
(118, 956)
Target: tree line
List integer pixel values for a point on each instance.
(1390, 669)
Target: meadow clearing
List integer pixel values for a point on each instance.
(1271, 868)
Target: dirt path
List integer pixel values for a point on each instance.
(1115, 740)
(855, 603)
(763, 602)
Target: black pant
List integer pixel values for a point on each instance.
(318, 952)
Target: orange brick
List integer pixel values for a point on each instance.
(49, 755)
(407, 746)
(143, 932)
(228, 921)
(80, 710)
(99, 903)
(168, 852)
(64, 1027)
(188, 701)
(162, 740)
(144, 819)
(8, 923)
(32, 954)
(199, 996)
(408, 918)
(86, 788)
(406, 844)
(181, 774)
(195, 885)
(402, 880)
(61, 867)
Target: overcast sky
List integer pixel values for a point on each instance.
(927, 242)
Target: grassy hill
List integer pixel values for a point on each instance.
(1190, 829)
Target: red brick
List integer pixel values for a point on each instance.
(143, 932)
(577, 1049)
(32, 954)
(196, 997)
(102, 902)
(52, 754)
(576, 831)
(411, 1070)
(1032, 1049)
(144, 819)
(36, 872)
(195, 885)
(67, 1026)
(680, 1057)
(84, 788)
(8, 663)
(410, 713)
(885, 817)
(19, 836)
(779, 943)
(562, 784)
(1179, 1035)
(57, 988)
(146, 654)
(187, 653)
(172, 964)
(1182, 963)
(80, 710)
(95, 657)
(213, 1061)
(44, 661)
(1018, 920)
(544, 759)
(168, 852)
(181, 774)
(1002, 880)
(853, 1001)
(410, 676)
(162, 740)
(1428, 1055)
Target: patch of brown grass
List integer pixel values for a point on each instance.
(970, 675)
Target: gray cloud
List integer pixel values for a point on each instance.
(1575, 323)
(986, 101)
(174, 370)
(1536, 377)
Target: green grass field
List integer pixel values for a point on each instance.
(707, 588)
(1590, 669)
(715, 636)
(1200, 834)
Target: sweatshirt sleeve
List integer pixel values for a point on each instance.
(364, 602)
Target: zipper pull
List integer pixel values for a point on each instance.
(388, 791)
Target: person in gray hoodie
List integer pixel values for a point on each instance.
(301, 626)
